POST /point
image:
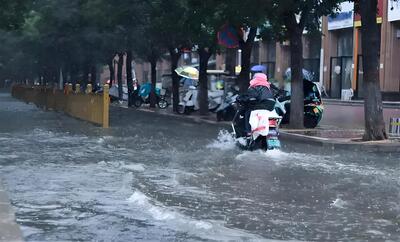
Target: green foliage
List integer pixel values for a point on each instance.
(12, 13)
(307, 14)
(72, 34)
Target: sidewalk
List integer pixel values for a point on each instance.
(330, 134)
(9, 229)
(350, 114)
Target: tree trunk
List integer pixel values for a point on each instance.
(119, 75)
(246, 47)
(204, 54)
(85, 77)
(93, 75)
(112, 71)
(373, 109)
(296, 63)
(129, 79)
(73, 75)
(175, 55)
(153, 98)
(46, 75)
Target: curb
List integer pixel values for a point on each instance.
(194, 118)
(9, 229)
(386, 104)
(345, 144)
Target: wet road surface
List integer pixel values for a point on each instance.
(157, 178)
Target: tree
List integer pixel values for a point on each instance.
(116, 22)
(149, 47)
(171, 17)
(290, 18)
(206, 19)
(12, 13)
(246, 46)
(373, 109)
(248, 19)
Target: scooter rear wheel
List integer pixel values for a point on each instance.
(137, 102)
(162, 103)
(181, 109)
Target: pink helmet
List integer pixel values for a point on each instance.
(260, 79)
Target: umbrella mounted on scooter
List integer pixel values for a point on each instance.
(188, 72)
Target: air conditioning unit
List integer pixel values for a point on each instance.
(398, 33)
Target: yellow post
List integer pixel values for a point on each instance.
(69, 88)
(88, 88)
(355, 57)
(106, 108)
(77, 88)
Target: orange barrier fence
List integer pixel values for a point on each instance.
(86, 106)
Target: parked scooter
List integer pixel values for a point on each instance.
(264, 129)
(227, 110)
(189, 101)
(313, 106)
(215, 99)
(143, 96)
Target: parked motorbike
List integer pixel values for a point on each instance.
(189, 101)
(264, 129)
(143, 96)
(113, 92)
(313, 106)
(227, 110)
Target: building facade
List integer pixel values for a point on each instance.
(342, 61)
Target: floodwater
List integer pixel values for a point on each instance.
(157, 178)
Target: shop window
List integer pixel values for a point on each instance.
(345, 42)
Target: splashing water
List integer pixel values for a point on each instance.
(339, 203)
(225, 141)
(205, 229)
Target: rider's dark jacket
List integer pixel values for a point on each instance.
(258, 97)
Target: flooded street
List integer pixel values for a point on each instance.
(158, 178)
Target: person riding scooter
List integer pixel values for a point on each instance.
(258, 96)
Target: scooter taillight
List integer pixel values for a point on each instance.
(273, 122)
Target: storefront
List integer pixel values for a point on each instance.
(338, 50)
(390, 73)
(343, 62)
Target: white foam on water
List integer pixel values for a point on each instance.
(224, 141)
(126, 183)
(276, 156)
(8, 156)
(339, 203)
(330, 164)
(138, 198)
(44, 207)
(171, 183)
(374, 232)
(134, 167)
(383, 222)
(174, 220)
